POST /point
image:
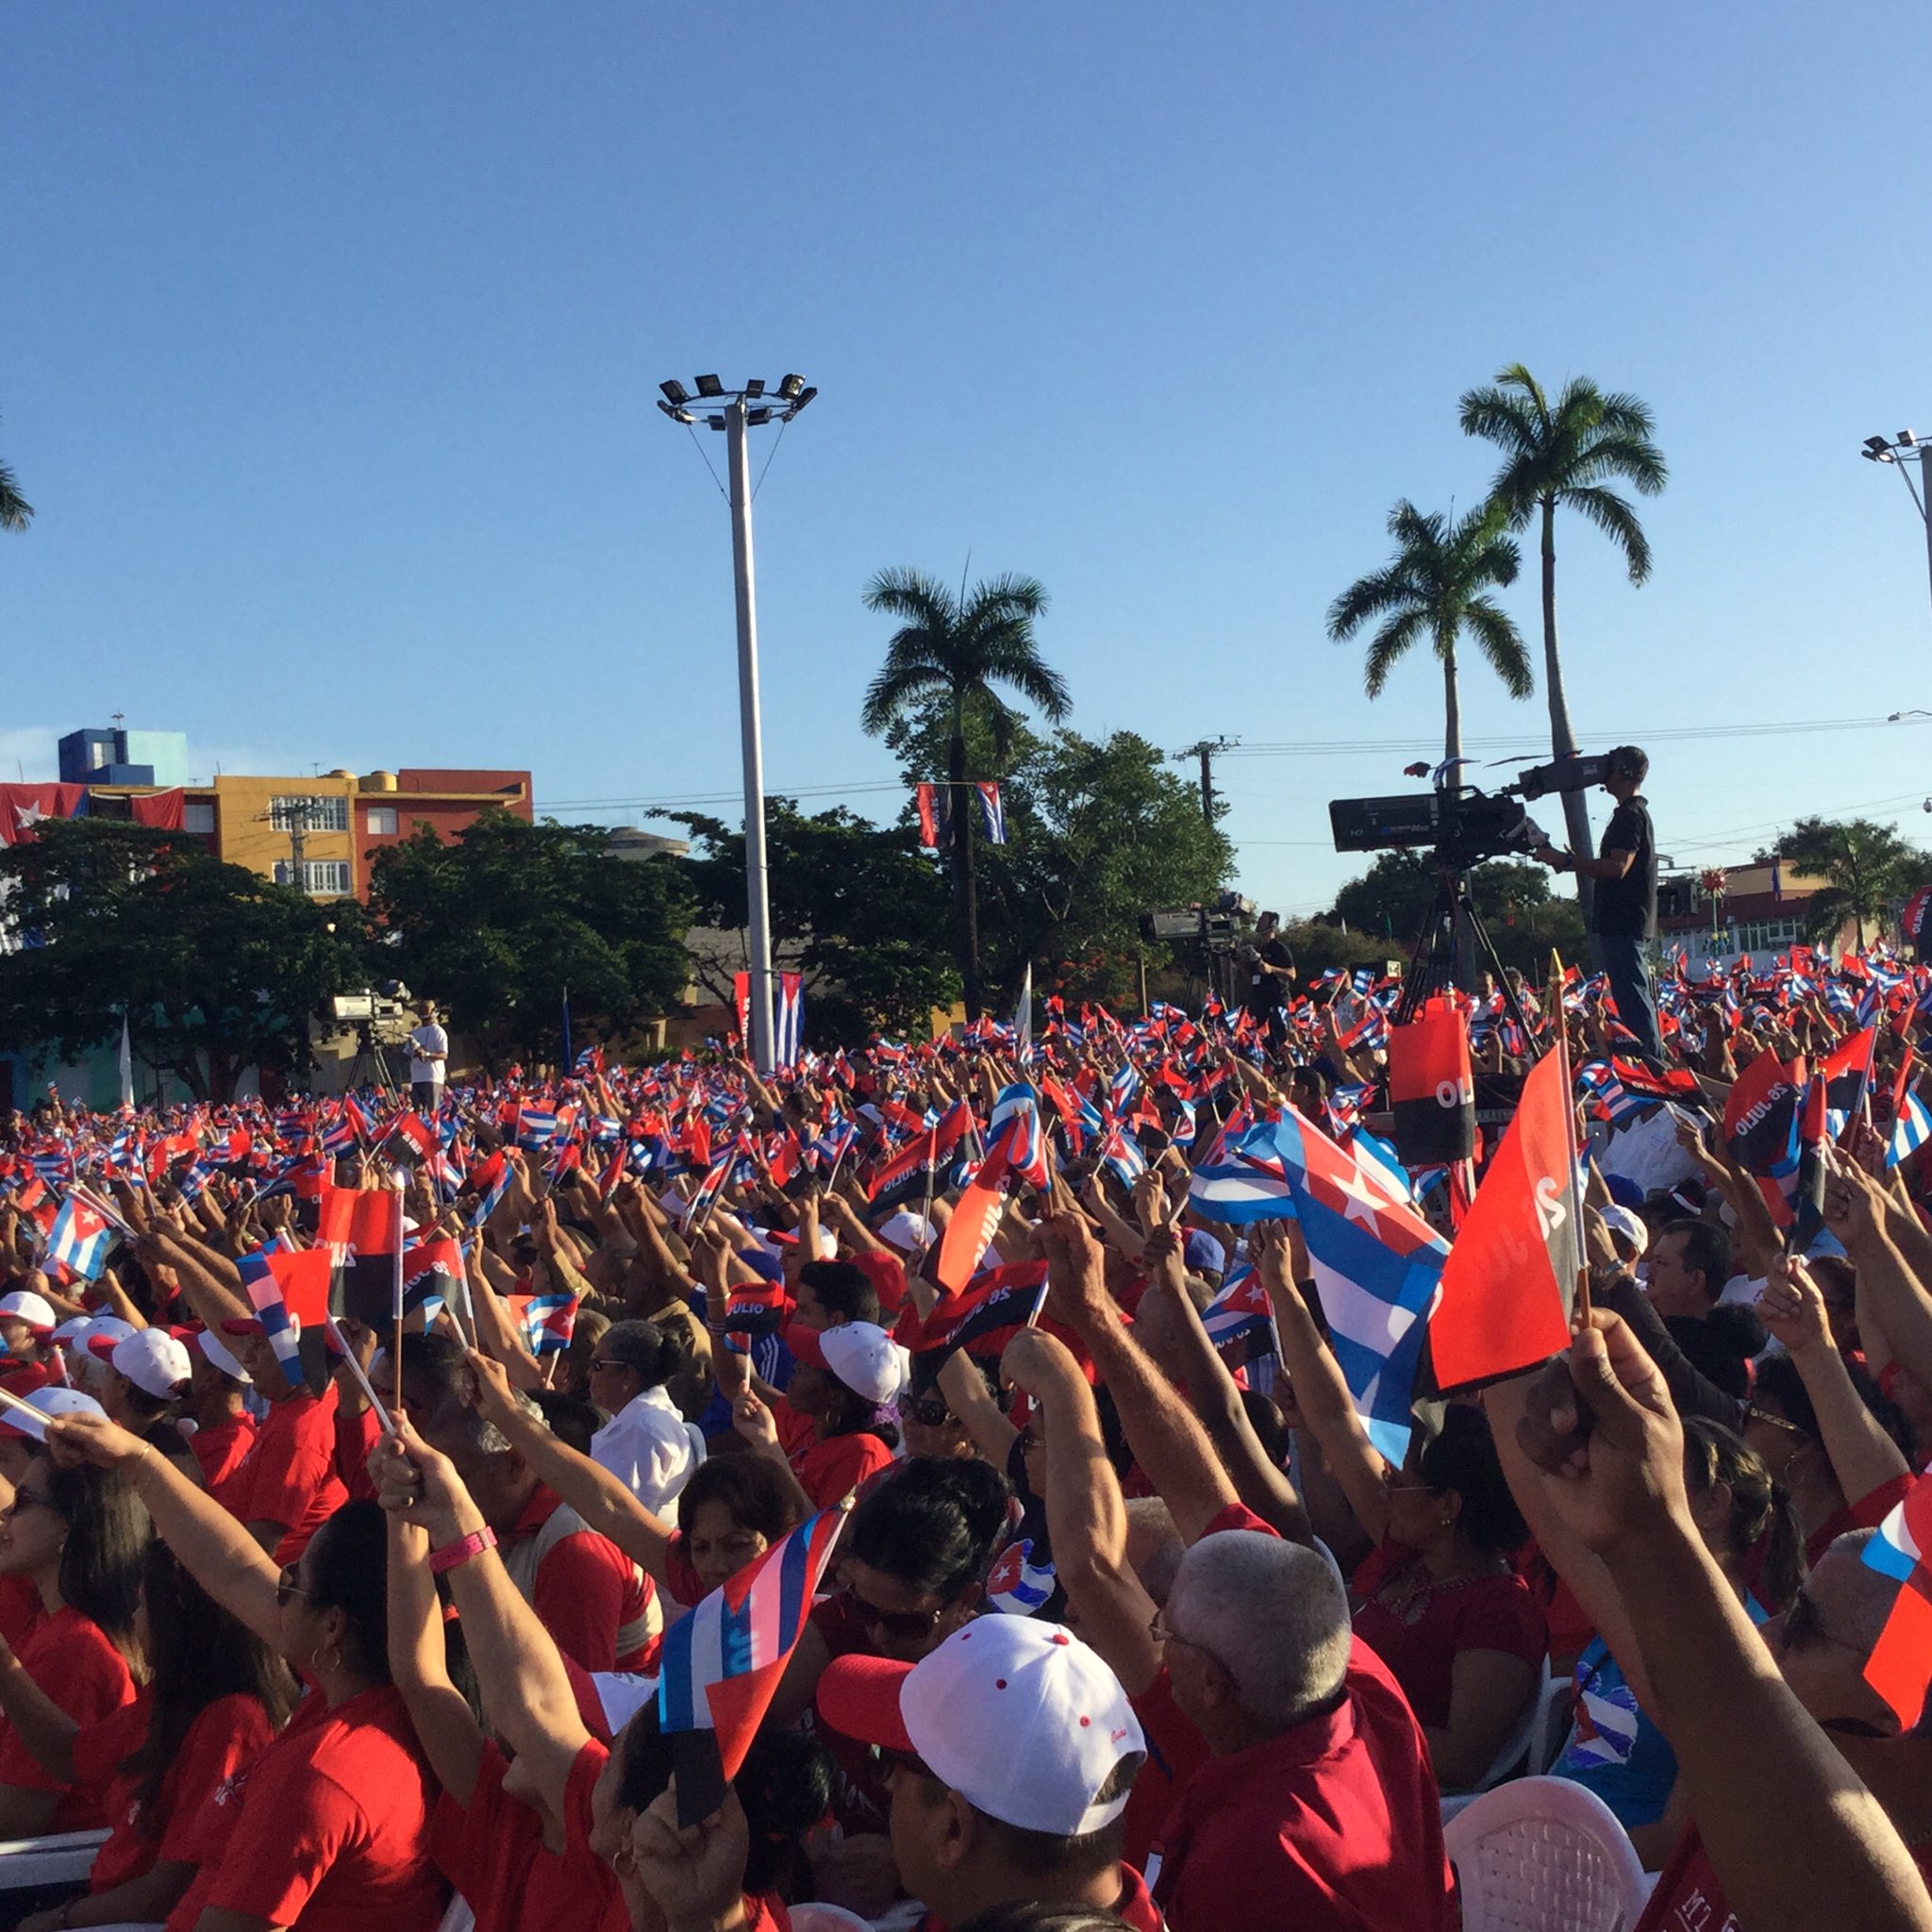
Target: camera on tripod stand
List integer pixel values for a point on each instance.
(1463, 826)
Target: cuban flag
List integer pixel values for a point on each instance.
(720, 1664)
(1016, 1584)
(1016, 1128)
(1911, 1130)
(790, 1044)
(1900, 1666)
(710, 1187)
(1378, 1265)
(491, 1182)
(283, 1286)
(1122, 1157)
(1243, 1180)
(548, 1323)
(1240, 1321)
(80, 1238)
(992, 814)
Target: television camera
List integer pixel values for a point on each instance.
(1462, 827)
(380, 1017)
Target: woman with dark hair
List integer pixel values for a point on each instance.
(1747, 1523)
(647, 1445)
(1437, 1600)
(77, 1536)
(333, 1823)
(215, 1697)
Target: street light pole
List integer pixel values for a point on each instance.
(1907, 448)
(735, 412)
(757, 907)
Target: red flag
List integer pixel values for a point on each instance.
(1511, 1278)
(928, 820)
(1432, 1087)
(1761, 1127)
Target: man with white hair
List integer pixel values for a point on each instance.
(1318, 1806)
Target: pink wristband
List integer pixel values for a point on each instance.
(451, 1555)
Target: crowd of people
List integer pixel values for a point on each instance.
(1138, 1611)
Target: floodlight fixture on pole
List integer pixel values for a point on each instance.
(1900, 450)
(735, 412)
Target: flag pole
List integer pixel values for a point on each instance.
(395, 1305)
(1561, 1047)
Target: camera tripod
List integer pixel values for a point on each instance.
(1433, 963)
(370, 1063)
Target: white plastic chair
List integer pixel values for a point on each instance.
(1544, 1855)
(1550, 1725)
(822, 1918)
(60, 1858)
(1505, 1764)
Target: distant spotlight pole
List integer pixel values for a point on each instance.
(1902, 449)
(735, 412)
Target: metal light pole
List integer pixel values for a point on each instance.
(1907, 448)
(735, 412)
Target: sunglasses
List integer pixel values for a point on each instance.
(1754, 1414)
(932, 1415)
(884, 1760)
(600, 1361)
(286, 1586)
(907, 1626)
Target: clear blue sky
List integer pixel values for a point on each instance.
(332, 336)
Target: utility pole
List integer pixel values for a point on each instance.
(1205, 749)
(1907, 448)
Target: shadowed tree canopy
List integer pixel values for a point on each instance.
(860, 910)
(217, 969)
(498, 926)
(1865, 866)
(1524, 919)
(16, 512)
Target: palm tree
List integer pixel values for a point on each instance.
(16, 512)
(954, 651)
(1567, 455)
(1865, 866)
(1434, 590)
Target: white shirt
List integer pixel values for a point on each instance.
(427, 1039)
(649, 1449)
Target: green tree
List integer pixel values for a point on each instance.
(958, 653)
(1524, 919)
(1865, 866)
(1565, 457)
(1098, 832)
(861, 909)
(1434, 590)
(500, 925)
(16, 512)
(216, 967)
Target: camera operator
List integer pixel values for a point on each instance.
(1271, 978)
(1624, 916)
(429, 1053)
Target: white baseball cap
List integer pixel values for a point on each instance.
(72, 1333)
(105, 1334)
(1021, 1718)
(35, 1310)
(222, 1357)
(906, 1231)
(1627, 1222)
(51, 1401)
(860, 1353)
(154, 1361)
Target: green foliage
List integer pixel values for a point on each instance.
(1525, 921)
(1098, 832)
(1865, 866)
(862, 910)
(16, 512)
(498, 926)
(216, 967)
(1433, 589)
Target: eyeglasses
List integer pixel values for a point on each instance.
(1756, 1414)
(1162, 1633)
(906, 1626)
(286, 1586)
(599, 1361)
(884, 1760)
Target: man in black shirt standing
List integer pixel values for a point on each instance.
(1271, 978)
(1625, 870)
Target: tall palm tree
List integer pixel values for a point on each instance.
(955, 651)
(1566, 455)
(1865, 867)
(1434, 590)
(16, 512)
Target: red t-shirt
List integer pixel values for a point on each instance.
(355, 1436)
(1419, 1642)
(492, 1850)
(334, 1827)
(220, 1450)
(1866, 1512)
(1175, 1750)
(74, 1660)
(289, 1477)
(20, 1609)
(223, 1739)
(827, 1470)
(593, 1599)
(1687, 1897)
(578, 1822)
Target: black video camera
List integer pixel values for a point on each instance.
(1462, 827)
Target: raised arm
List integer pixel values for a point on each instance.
(1167, 1438)
(418, 1658)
